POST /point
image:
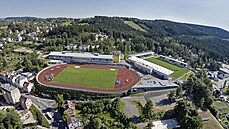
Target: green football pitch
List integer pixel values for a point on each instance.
(88, 77)
(177, 71)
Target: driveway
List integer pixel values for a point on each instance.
(130, 108)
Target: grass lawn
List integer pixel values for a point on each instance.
(178, 71)
(139, 94)
(185, 78)
(212, 123)
(106, 116)
(224, 109)
(162, 109)
(139, 107)
(122, 104)
(78, 114)
(135, 26)
(95, 78)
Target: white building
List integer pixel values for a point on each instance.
(71, 47)
(149, 67)
(100, 37)
(54, 62)
(81, 57)
(23, 81)
(19, 80)
(18, 38)
(84, 47)
(8, 39)
(26, 103)
(1, 45)
(73, 123)
(11, 94)
(223, 73)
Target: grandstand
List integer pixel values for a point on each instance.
(69, 57)
(149, 67)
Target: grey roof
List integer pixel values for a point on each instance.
(225, 70)
(81, 55)
(151, 65)
(8, 87)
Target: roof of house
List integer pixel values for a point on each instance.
(164, 124)
(8, 87)
(204, 116)
(225, 70)
(69, 107)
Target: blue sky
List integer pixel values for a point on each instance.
(206, 12)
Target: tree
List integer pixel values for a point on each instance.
(147, 111)
(159, 49)
(171, 95)
(97, 123)
(12, 120)
(187, 115)
(178, 92)
(202, 101)
(60, 102)
(149, 125)
(2, 116)
(65, 116)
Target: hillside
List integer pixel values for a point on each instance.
(212, 40)
(162, 36)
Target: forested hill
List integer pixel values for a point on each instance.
(170, 28)
(21, 18)
(134, 35)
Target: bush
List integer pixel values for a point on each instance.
(37, 115)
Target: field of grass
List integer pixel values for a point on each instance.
(122, 104)
(223, 109)
(212, 123)
(95, 78)
(185, 78)
(138, 105)
(178, 71)
(135, 26)
(162, 109)
(106, 116)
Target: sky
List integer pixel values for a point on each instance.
(204, 12)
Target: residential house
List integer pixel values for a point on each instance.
(8, 39)
(71, 121)
(100, 37)
(204, 116)
(1, 45)
(26, 103)
(24, 115)
(18, 38)
(84, 47)
(71, 47)
(11, 94)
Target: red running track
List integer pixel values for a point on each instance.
(123, 75)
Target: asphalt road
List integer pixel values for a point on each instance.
(130, 108)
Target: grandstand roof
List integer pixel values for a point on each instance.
(81, 55)
(151, 65)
